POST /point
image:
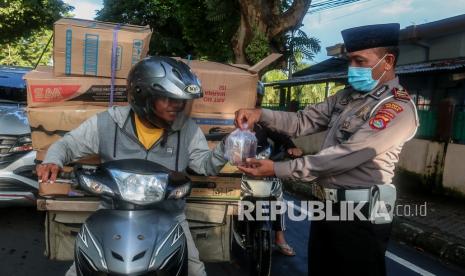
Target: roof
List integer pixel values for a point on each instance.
(334, 64)
(12, 76)
(335, 73)
(450, 64)
(433, 29)
(414, 33)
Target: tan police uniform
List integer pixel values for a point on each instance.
(366, 132)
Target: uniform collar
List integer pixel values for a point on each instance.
(379, 91)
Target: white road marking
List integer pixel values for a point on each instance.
(389, 254)
(291, 205)
(408, 264)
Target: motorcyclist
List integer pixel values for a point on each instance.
(152, 127)
(281, 143)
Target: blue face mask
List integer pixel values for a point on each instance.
(360, 77)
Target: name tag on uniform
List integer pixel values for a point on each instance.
(169, 150)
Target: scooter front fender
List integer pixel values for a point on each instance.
(130, 242)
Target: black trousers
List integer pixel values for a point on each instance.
(279, 224)
(347, 248)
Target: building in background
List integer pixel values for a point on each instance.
(431, 67)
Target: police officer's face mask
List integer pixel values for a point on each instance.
(360, 78)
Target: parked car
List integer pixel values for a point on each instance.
(18, 185)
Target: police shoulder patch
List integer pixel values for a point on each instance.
(386, 112)
(392, 106)
(377, 123)
(401, 94)
(385, 118)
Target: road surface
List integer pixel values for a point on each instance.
(22, 246)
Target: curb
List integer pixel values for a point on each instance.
(438, 244)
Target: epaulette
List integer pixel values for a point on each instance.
(400, 94)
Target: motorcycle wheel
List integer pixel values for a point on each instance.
(261, 253)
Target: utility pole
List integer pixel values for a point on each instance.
(327, 90)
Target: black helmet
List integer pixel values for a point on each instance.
(155, 77)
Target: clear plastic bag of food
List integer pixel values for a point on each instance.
(240, 145)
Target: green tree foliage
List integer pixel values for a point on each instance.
(19, 18)
(309, 93)
(240, 31)
(208, 26)
(299, 46)
(258, 48)
(180, 27)
(26, 50)
(271, 94)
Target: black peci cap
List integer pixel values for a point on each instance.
(371, 36)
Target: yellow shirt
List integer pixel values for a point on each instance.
(147, 136)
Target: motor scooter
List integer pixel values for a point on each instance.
(255, 236)
(133, 234)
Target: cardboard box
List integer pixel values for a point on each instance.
(227, 87)
(209, 223)
(84, 47)
(45, 89)
(210, 226)
(215, 187)
(91, 160)
(211, 123)
(48, 124)
(54, 189)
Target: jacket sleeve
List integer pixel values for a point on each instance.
(76, 144)
(366, 143)
(314, 118)
(201, 159)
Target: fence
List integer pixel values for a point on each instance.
(458, 133)
(276, 106)
(428, 122)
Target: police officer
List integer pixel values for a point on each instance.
(367, 123)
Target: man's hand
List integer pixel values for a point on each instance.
(256, 167)
(47, 172)
(247, 115)
(295, 152)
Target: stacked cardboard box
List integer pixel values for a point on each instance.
(84, 47)
(226, 88)
(78, 86)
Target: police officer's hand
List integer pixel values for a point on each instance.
(254, 167)
(247, 116)
(47, 172)
(295, 152)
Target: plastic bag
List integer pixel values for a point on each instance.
(240, 145)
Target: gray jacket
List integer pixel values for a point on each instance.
(110, 134)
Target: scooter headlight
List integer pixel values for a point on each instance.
(141, 188)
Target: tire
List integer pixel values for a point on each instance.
(261, 253)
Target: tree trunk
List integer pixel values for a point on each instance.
(251, 15)
(266, 17)
(238, 42)
(289, 19)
